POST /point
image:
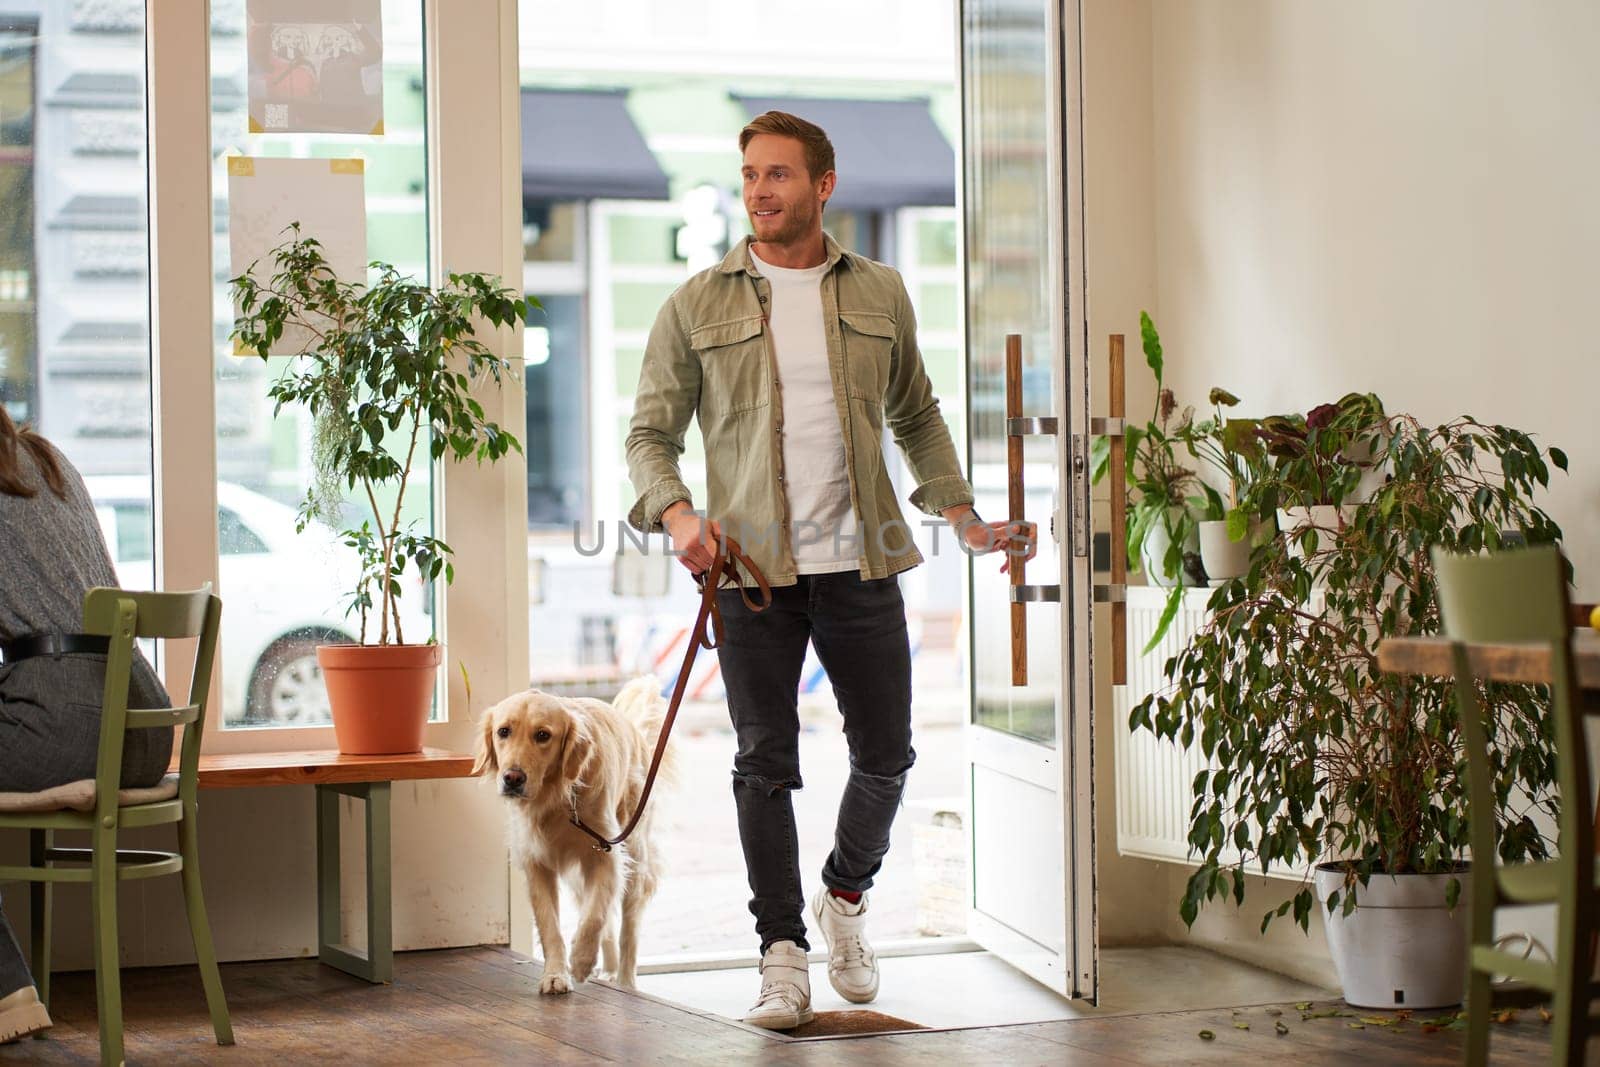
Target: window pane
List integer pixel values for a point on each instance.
(550, 230)
(236, 538)
(1008, 292)
(74, 292)
(555, 430)
(298, 584)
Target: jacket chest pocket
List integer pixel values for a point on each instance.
(868, 345)
(733, 365)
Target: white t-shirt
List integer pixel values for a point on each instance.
(816, 481)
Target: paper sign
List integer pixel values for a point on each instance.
(316, 66)
(327, 197)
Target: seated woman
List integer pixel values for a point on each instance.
(51, 676)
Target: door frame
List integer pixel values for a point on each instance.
(1077, 639)
(1072, 775)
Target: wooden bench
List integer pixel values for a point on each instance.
(366, 778)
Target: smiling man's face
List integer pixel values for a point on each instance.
(782, 198)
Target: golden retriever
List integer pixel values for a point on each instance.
(546, 752)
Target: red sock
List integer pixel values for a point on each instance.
(846, 896)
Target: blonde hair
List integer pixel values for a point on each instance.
(818, 149)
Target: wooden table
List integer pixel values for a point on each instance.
(1431, 656)
(366, 778)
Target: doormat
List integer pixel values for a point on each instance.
(849, 1024)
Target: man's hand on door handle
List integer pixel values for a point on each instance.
(1019, 540)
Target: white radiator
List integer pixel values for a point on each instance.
(1155, 777)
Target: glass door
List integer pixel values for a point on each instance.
(1031, 799)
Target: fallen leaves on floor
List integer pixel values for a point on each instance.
(1392, 1021)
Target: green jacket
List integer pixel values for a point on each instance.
(710, 355)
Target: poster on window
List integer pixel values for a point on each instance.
(327, 197)
(316, 66)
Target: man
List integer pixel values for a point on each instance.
(793, 353)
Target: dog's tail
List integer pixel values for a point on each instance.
(641, 701)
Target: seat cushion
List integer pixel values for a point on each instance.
(80, 796)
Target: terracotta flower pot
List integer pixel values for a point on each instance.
(380, 694)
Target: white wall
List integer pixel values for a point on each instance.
(1135, 895)
(1387, 197)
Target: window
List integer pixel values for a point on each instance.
(235, 538)
(134, 532)
(550, 230)
(556, 424)
(17, 349)
(298, 583)
(74, 262)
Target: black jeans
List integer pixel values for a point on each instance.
(859, 630)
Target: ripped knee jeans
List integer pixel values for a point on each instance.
(859, 631)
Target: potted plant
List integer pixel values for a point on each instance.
(1166, 499)
(1317, 759)
(1232, 448)
(386, 370)
(1323, 464)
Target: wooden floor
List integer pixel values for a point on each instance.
(480, 1006)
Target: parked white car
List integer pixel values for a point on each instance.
(283, 593)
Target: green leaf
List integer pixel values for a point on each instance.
(1238, 524)
(1168, 613)
(1152, 345)
(1099, 459)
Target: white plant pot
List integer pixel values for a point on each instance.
(1371, 480)
(1400, 948)
(1327, 518)
(1154, 550)
(1225, 558)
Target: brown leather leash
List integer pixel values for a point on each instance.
(724, 564)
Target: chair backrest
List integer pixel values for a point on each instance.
(1516, 596)
(124, 617)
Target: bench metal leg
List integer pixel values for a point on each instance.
(377, 963)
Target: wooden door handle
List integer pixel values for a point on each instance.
(1014, 497)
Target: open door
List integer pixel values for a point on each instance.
(1031, 794)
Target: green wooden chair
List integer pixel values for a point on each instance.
(105, 810)
(1521, 596)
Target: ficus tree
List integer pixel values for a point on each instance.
(1314, 754)
(388, 372)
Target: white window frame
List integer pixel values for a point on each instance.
(474, 220)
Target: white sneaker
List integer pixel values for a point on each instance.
(852, 965)
(21, 1014)
(785, 1000)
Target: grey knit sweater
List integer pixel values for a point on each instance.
(52, 553)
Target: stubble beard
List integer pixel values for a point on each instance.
(798, 220)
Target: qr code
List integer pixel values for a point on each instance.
(277, 116)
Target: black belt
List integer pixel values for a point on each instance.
(30, 645)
